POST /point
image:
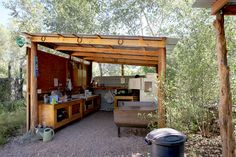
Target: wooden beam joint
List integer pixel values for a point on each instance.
(218, 5)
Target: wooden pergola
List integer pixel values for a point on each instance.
(129, 50)
(221, 8)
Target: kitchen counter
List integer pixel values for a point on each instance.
(63, 113)
(60, 114)
(109, 87)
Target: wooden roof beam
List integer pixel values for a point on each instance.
(218, 5)
(123, 61)
(229, 10)
(108, 50)
(115, 56)
(98, 41)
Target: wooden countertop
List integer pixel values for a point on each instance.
(66, 102)
(125, 97)
(70, 101)
(109, 87)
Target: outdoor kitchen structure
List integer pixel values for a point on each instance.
(60, 87)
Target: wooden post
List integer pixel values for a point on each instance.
(28, 90)
(33, 88)
(161, 78)
(225, 106)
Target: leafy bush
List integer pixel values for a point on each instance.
(5, 89)
(151, 118)
(10, 106)
(12, 119)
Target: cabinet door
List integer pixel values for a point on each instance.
(97, 102)
(75, 111)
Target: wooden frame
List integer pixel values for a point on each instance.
(33, 87)
(124, 50)
(114, 56)
(140, 52)
(217, 5)
(122, 61)
(229, 10)
(98, 41)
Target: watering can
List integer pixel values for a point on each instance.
(45, 133)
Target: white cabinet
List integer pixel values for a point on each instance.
(135, 83)
(148, 91)
(147, 87)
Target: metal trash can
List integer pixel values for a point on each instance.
(166, 142)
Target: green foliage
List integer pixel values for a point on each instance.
(151, 117)
(13, 121)
(194, 85)
(70, 16)
(11, 106)
(4, 90)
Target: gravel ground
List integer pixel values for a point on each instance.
(93, 136)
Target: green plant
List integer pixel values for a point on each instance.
(11, 123)
(10, 106)
(151, 117)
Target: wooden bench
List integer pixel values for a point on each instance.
(128, 117)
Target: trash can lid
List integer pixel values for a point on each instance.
(166, 137)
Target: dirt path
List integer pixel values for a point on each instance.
(94, 136)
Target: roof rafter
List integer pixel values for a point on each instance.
(218, 5)
(230, 10)
(115, 56)
(123, 61)
(108, 50)
(118, 49)
(99, 41)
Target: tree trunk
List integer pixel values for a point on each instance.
(21, 80)
(225, 106)
(9, 70)
(100, 68)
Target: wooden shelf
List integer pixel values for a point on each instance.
(95, 102)
(74, 108)
(48, 113)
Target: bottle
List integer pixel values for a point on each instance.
(53, 100)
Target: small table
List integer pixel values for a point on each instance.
(124, 98)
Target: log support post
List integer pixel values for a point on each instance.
(33, 87)
(225, 104)
(161, 79)
(28, 90)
